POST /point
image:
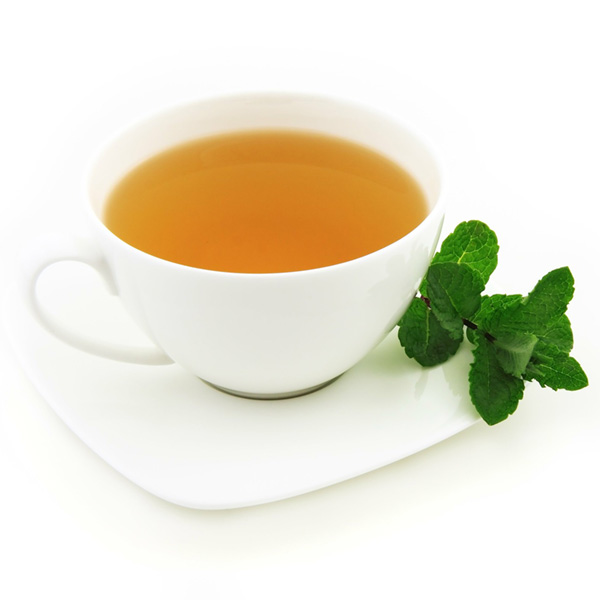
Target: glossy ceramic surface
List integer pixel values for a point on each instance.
(262, 335)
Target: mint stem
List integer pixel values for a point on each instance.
(426, 300)
(469, 324)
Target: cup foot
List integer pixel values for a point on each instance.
(277, 396)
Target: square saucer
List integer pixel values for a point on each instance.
(190, 444)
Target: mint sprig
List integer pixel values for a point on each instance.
(515, 338)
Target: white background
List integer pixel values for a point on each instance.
(511, 90)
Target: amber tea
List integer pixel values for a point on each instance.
(265, 201)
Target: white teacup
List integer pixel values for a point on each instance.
(270, 335)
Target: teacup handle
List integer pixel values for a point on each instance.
(57, 248)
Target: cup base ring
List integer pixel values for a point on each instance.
(276, 396)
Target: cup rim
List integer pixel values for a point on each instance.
(435, 213)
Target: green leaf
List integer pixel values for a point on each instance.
(559, 334)
(514, 351)
(423, 337)
(551, 295)
(491, 304)
(546, 303)
(472, 243)
(550, 366)
(455, 294)
(492, 309)
(494, 392)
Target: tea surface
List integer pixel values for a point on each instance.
(265, 201)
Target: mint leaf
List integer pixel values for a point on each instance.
(551, 295)
(493, 305)
(559, 334)
(472, 243)
(455, 294)
(546, 303)
(494, 392)
(554, 368)
(423, 337)
(514, 351)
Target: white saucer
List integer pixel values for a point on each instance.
(195, 446)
